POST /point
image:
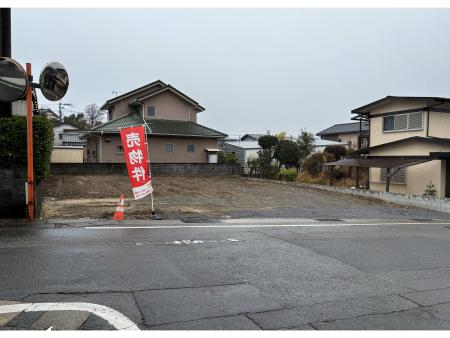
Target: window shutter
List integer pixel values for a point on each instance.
(415, 121)
(401, 122)
(398, 178)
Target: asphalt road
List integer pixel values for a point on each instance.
(296, 274)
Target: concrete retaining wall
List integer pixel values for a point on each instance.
(188, 169)
(432, 203)
(12, 194)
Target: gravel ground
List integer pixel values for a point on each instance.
(213, 197)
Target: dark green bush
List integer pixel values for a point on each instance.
(337, 150)
(228, 158)
(13, 144)
(313, 164)
(287, 153)
(268, 142)
(289, 174)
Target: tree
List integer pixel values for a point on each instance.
(76, 120)
(93, 115)
(281, 136)
(305, 144)
(287, 153)
(268, 144)
(337, 150)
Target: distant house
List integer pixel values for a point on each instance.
(174, 136)
(320, 145)
(68, 147)
(50, 114)
(251, 137)
(347, 134)
(243, 151)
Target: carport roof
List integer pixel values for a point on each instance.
(381, 162)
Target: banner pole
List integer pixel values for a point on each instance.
(153, 216)
(30, 178)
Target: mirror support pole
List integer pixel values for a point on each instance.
(5, 50)
(31, 198)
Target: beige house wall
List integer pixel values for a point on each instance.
(170, 107)
(378, 136)
(67, 155)
(439, 125)
(167, 106)
(109, 152)
(346, 138)
(397, 105)
(417, 176)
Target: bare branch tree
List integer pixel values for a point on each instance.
(93, 115)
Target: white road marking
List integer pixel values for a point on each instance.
(229, 226)
(113, 317)
(189, 242)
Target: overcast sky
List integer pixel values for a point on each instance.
(253, 70)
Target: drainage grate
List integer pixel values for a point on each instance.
(329, 220)
(421, 219)
(199, 220)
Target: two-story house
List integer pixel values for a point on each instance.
(409, 144)
(174, 135)
(68, 147)
(351, 135)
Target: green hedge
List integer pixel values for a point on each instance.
(13, 144)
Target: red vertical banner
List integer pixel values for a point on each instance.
(135, 151)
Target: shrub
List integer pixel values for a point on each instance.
(13, 144)
(313, 164)
(327, 157)
(337, 150)
(287, 174)
(430, 190)
(304, 177)
(253, 164)
(226, 158)
(339, 173)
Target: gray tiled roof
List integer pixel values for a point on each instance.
(344, 128)
(255, 136)
(158, 127)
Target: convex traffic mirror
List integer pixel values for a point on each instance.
(54, 81)
(13, 80)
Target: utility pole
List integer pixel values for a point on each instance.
(5, 50)
(61, 107)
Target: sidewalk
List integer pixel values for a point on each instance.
(61, 316)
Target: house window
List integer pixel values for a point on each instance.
(60, 136)
(119, 149)
(411, 121)
(398, 178)
(151, 112)
(168, 147)
(190, 148)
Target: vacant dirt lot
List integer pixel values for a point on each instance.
(211, 197)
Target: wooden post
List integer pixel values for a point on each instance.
(30, 147)
(357, 178)
(388, 178)
(331, 175)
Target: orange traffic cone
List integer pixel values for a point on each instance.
(118, 215)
